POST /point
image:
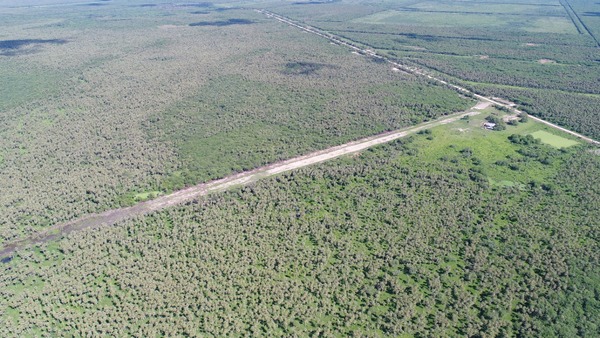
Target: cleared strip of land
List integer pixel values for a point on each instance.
(111, 217)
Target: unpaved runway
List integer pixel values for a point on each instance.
(111, 217)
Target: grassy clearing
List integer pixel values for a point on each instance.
(551, 25)
(553, 139)
(497, 8)
(537, 24)
(430, 19)
(143, 196)
(489, 152)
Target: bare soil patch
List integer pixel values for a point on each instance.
(482, 105)
(509, 118)
(169, 26)
(416, 47)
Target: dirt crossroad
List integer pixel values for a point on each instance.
(412, 70)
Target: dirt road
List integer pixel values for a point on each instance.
(413, 70)
(111, 217)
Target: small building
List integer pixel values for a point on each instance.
(489, 125)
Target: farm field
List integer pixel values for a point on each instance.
(553, 139)
(467, 19)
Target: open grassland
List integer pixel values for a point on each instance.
(553, 139)
(456, 231)
(547, 8)
(120, 99)
(561, 25)
(490, 149)
(576, 110)
(557, 25)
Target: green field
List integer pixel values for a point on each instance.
(143, 196)
(436, 19)
(553, 139)
(471, 142)
(484, 8)
(561, 25)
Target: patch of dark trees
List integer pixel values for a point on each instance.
(15, 47)
(197, 4)
(314, 2)
(223, 23)
(523, 140)
(424, 37)
(377, 60)
(303, 68)
(94, 4)
(435, 38)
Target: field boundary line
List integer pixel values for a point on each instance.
(568, 4)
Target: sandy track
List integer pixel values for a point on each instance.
(111, 217)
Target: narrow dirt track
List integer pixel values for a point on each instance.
(111, 217)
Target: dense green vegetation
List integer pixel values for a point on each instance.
(260, 122)
(103, 104)
(422, 237)
(454, 231)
